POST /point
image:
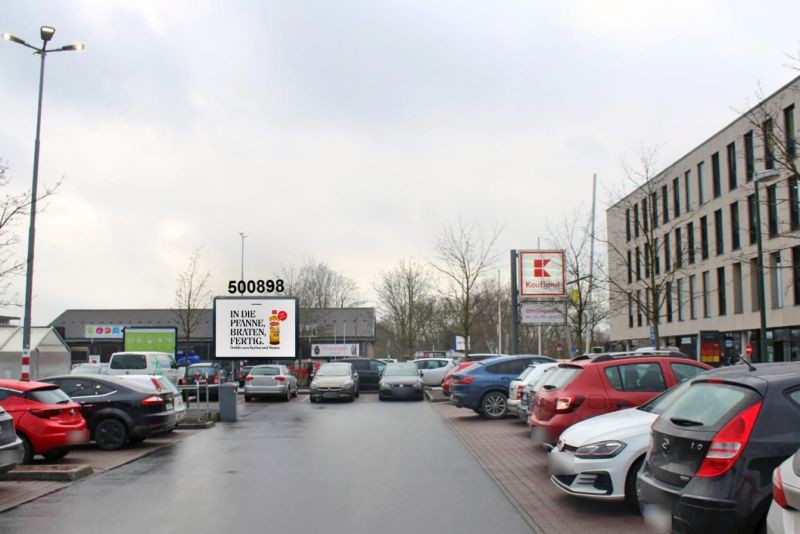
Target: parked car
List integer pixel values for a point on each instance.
(337, 380)
(270, 381)
(610, 382)
(161, 384)
(118, 410)
(46, 420)
(446, 381)
(369, 371)
(243, 374)
(387, 360)
(529, 390)
(599, 458)
(433, 370)
(784, 513)
(484, 387)
(144, 363)
(11, 450)
(515, 389)
(401, 381)
(713, 451)
(202, 377)
(90, 369)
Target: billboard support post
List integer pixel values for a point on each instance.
(514, 305)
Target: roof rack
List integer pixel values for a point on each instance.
(609, 356)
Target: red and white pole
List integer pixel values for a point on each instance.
(26, 365)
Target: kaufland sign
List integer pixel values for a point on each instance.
(541, 273)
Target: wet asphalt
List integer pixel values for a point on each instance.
(365, 467)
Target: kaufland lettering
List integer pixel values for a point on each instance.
(541, 273)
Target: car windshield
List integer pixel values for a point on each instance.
(51, 395)
(528, 370)
(560, 378)
(265, 371)
(334, 370)
(662, 402)
(128, 361)
(401, 369)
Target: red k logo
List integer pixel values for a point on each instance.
(539, 270)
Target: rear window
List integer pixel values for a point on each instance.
(525, 373)
(128, 361)
(560, 378)
(49, 396)
(265, 371)
(206, 371)
(709, 405)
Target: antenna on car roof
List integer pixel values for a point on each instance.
(744, 361)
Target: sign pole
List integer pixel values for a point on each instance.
(514, 305)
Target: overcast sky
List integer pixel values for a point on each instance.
(348, 131)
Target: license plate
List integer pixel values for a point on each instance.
(330, 395)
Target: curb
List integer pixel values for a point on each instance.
(51, 473)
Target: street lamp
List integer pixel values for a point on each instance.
(763, 176)
(46, 33)
(243, 236)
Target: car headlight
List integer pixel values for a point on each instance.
(347, 385)
(385, 385)
(603, 449)
(314, 385)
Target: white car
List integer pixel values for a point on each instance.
(530, 375)
(599, 458)
(433, 370)
(531, 387)
(784, 513)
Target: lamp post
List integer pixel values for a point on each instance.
(763, 176)
(243, 236)
(46, 33)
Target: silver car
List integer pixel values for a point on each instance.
(784, 513)
(400, 381)
(270, 381)
(338, 380)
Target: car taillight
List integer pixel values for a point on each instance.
(728, 444)
(248, 379)
(280, 378)
(777, 490)
(567, 404)
(152, 400)
(46, 414)
(465, 380)
(519, 392)
(215, 380)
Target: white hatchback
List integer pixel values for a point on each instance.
(433, 370)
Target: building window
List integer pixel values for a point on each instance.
(767, 135)
(645, 217)
(630, 268)
(732, 182)
(796, 274)
(648, 311)
(754, 289)
(700, 194)
(638, 265)
(706, 284)
(657, 259)
(704, 237)
(776, 280)
(680, 299)
(630, 311)
(738, 295)
(692, 301)
(687, 191)
(665, 204)
(636, 220)
(654, 207)
(721, 302)
(647, 260)
(638, 307)
(667, 256)
(678, 249)
(735, 243)
(794, 203)
(788, 128)
(772, 210)
(718, 232)
(716, 178)
(749, 157)
(669, 302)
(676, 197)
(690, 242)
(751, 218)
(627, 225)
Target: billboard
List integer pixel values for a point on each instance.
(111, 331)
(256, 327)
(541, 273)
(335, 350)
(543, 313)
(150, 339)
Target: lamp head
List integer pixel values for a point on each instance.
(78, 47)
(47, 33)
(8, 37)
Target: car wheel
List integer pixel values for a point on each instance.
(311, 399)
(295, 392)
(493, 405)
(55, 454)
(288, 394)
(248, 398)
(27, 450)
(630, 483)
(358, 393)
(352, 397)
(110, 434)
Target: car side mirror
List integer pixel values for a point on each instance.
(355, 375)
(421, 373)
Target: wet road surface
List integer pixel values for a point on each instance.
(365, 467)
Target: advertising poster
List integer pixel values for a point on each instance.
(543, 313)
(331, 350)
(150, 339)
(541, 273)
(256, 327)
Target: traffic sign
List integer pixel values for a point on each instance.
(748, 349)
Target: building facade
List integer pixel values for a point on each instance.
(682, 247)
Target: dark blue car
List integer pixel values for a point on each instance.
(484, 386)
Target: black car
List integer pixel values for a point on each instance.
(243, 374)
(369, 371)
(118, 410)
(206, 375)
(713, 451)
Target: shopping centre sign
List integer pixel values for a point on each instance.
(541, 273)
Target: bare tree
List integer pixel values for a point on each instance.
(404, 295)
(191, 297)
(647, 252)
(464, 254)
(12, 208)
(319, 286)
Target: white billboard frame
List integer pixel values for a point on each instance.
(557, 316)
(242, 327)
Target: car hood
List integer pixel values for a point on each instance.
(408, 380)
(619, 425)
(330, 381)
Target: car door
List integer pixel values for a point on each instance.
(633, 384)
(433, 372)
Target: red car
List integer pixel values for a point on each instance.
(47, 421)
(596, 384)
